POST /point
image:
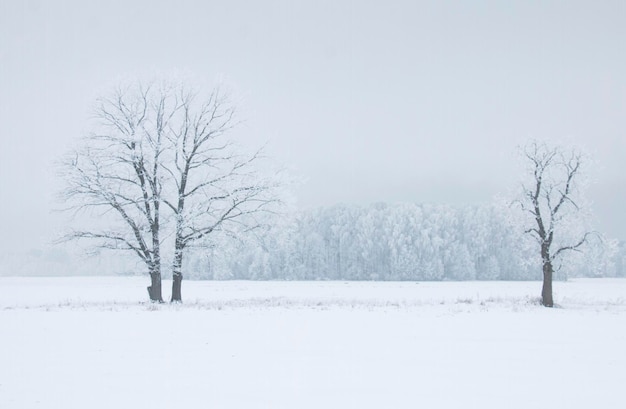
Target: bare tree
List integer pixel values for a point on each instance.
(117, 172)
(551, 201)
(216, 186)
(163, 151)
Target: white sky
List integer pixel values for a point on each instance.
(370, 101)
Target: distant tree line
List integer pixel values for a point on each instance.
(396, 242)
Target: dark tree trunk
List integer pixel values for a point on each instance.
(154, 290)
(177, 276)
(546, 292)
(177, 280)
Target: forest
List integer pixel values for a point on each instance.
(430, 242)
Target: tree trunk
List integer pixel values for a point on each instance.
(177, 280)
(156, 251)
(177, 276)
(546, 292)
(154, 290)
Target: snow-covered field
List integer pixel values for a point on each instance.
(95, 343)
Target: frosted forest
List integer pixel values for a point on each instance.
(396, 242)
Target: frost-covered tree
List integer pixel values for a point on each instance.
(161, 169)
(116, 176)
(551, 199)
(216, 186)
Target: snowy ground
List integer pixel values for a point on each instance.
(94, 343)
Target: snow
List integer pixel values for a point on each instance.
(95, 343)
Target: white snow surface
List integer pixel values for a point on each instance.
(95, 343)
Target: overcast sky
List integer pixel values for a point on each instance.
(369, 101)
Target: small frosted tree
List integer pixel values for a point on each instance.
(551, 201)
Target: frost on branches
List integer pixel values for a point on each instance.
(552, 203)
(159, 175)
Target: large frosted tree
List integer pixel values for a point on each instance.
(215, 186)
(160, 170)
(115, 176)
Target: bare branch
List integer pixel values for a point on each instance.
(573, 247)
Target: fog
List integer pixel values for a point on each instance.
(365, 101)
